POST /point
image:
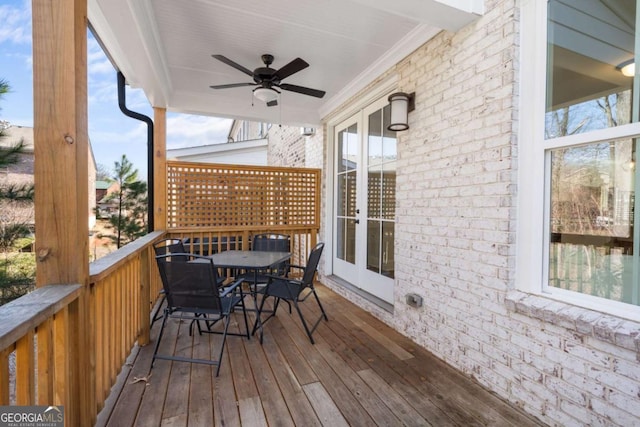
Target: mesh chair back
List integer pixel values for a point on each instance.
(168, 247)
(312, 264)
(190, 286)
(273, 243)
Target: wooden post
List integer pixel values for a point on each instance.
(61, 148)
(160, 168)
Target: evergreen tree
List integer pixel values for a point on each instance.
(11, 195)
(129, 222)
(17, 274)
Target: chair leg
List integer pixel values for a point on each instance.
(157, 315)
(258, 313)
(157, 346)
(324, 314)
(224, 340)
(246, 322)
(304, 323)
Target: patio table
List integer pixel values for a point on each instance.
(251, 261)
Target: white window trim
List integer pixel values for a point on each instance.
(532, 227)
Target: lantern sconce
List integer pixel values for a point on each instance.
(401, 104)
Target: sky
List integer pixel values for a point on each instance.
(111, 133)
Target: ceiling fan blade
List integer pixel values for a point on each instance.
(291, 68)
(272, 103)
(232, 85)
(233, 64)
(303, 90)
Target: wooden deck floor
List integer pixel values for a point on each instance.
(360, 373)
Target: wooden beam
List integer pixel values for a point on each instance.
(61, 175)
(160, 168)
(61, 141)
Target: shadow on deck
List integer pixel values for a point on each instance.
(360, 373)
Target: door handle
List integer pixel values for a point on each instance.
(357, 221)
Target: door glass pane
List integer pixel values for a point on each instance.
(388, 237)
(341, 199)
(373, 246)
(351, 148)
(374, 192)
(389, 149)
(350, 193)
(342, 154)
(346, 240)
(591, 220)
(346, 198)
(388, 192)
(375, 138)
(587, 47)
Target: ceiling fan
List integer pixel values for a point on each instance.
(267, 79)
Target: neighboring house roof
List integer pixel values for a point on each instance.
(252, 152)
(102, 185)
(14, 134)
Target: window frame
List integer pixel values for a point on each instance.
(533, 175)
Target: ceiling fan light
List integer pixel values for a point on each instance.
(627, 68)
(265, 94)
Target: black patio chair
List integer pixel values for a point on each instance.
(166, 247)
(174, 247)
(267, 242)
(193, 294)
(291, 290)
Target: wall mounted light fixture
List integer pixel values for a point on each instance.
(307, 131)
(401, 104)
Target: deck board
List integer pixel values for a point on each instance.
(359, 372)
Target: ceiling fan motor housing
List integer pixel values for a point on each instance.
(265, 75)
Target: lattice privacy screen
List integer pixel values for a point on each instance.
(215, 195)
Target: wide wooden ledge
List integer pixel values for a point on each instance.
(27, 312)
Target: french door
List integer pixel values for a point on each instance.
(364, 200)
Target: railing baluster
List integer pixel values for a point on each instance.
(60, 359)
(25, 375)
(4, 376)
(45, 362)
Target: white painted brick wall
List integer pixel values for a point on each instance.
(455, 241)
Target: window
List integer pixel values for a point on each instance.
(579, 145)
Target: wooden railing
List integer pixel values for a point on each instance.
(44, 335)
(124, 285)
(39, 333)
(35, 338)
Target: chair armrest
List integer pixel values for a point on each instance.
(232, 287)
(282, 279)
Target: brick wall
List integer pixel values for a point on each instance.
(455, 241)
(286, 146)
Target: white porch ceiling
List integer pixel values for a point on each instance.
(165, 47)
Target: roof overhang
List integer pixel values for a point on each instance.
(164, 47)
